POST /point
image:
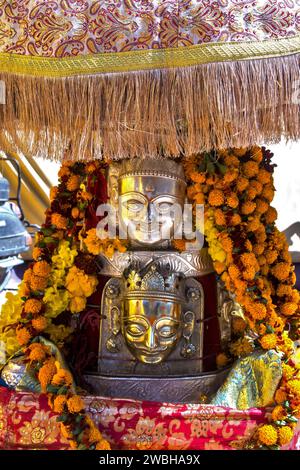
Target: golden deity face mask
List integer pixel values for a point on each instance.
(151, 197)
(152, 314)
(151, 328)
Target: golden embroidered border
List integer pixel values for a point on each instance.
(138, 60)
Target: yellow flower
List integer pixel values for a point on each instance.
(294, 387)
(56, 301)
(271, 215)
(268, 341)
(53, 193)
(257, 310)
(267, 435)
(220, 218)
(241, 347)
(93, 242)
(80, 284)
(238, 325)
(37, 253)
(285, 434)
(287, 371)
(58, 333)
(77, 304)
(37, 352)
(64, 258)
(264, 176)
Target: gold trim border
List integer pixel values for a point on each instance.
(150, 59)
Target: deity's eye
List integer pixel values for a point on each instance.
(135, 329)
(164, 207)
(133, 205)
(167, 331)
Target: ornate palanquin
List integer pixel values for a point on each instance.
(26, 422)
(146, 81)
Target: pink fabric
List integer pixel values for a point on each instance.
(73, 27)
(26, 422)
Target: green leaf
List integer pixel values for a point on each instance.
(48, 240)
(52, 388)
(82, 447)
(46, 231)
(62, 390)
(63, 418)
(270, 329)
(222, 168)
(292, 419)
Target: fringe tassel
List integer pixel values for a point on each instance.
(155, 113)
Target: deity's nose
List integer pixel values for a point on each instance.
(150, 339)
(151, 212)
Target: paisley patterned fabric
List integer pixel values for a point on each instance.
(26, 422)
(79, 27)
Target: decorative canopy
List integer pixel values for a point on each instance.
(149, 78)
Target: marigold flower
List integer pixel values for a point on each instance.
(62, 377)
(73, 183)
(94, 434)
(75, 212)
(231, 160)
(261, 206)
(227, 243)
(77, 304)
(23, 335)
(37, 253)
(240, 152)
(59, 221)
(38, 283)
(248, 207)
(27, 275)
(258, 249)
(267, 435)
(289, 308)
(232, 201)
(198, 177)
(268, 193)
(179, 245)
(281, 271)
(91, 167)
(248, 259)
(220, 218)
(230, 176)
(268, 341)
(280, 396)
(234, 271)
(103, 445)
(294, 387)
(46, 373)
(251, 193)
(257, 154)
(33, 306)
(250, 169)
(257, 310)
(241, 184)
(235, 220)
(66, 431)
(253, 224)
(271, 215)
(222, 360)
(40, 323)
(41, 268)
(285, 434)
(216, 198)
(241, 347)
(248, 245)
(93, 242)
(271, 256)
(199, 198)
(238, 325)
(288, 372)
(264, 176)
(75, 404)
(37, 352)
(63, 171)
(278, 413)
(53, 193)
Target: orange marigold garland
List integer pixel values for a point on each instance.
(79, 193)
(251, 257)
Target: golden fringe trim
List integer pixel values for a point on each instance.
(137, 60)
(155, 113)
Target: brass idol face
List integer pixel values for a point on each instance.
(151, 328)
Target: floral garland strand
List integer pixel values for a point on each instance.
(251, 257)
(59, 280)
